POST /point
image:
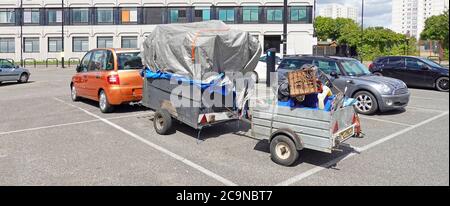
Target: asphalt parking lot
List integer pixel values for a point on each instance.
(46, 139)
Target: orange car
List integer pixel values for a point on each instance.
(109, 76)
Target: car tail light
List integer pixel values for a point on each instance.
(113, 79)
(371, 67)
(335, 128)
(204, 120)
(356, 121)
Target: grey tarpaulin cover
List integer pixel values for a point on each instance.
(194, 49)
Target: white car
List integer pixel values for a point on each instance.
(260, 73)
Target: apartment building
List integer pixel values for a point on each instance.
(339, 11)
(35, 26)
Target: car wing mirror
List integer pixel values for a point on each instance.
(334, 74)
(78, 69)
(17, 66)
(425, 67)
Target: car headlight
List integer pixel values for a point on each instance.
(386, 89)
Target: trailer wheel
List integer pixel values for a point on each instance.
(162, 122)
(283, 150)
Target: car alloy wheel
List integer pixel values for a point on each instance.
(102, 101)
(365, 103)
(23, 78)
(442, 84)
(73, 93)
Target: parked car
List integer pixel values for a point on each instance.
(260, 73)
(109, 76)
(373, 93)
(11, 72)
(414, 71)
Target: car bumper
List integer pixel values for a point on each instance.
(117, 95)
(391, 102)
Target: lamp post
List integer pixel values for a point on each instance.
(362, 28)
(285, 21)
(62, 33)
(21, 33)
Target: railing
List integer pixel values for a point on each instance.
(28, 59)
(74, 59)
(46, 61)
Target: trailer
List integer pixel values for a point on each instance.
(290, 130)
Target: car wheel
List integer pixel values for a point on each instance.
(255, 77)
(162, 122)
(23, 78)
(105, 106)
(283, 150)
(74, 94)
(378, 74)
(442, 84)
(366, 103)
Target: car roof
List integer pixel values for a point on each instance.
(119, 50)
(317, 57)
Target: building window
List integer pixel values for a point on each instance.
(275, 15)
(80, 16)
(31, 44)
(54, 44)
(54, 16)
(7, 16)
(80, 44)
(178, 15)
(202, 14)
(105, 16)
(31, 16)
(129, 42)
(105, 42)
(299, 14)
(7, 45)
(128, 15)
(250, 14)
(153, 15)
(227, 15)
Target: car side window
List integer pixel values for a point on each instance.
(413, 64)
(109, 65)
(5, 64)
(292, 64)
(327, 66)
(85, 62)
(396, 62)
(99, 61)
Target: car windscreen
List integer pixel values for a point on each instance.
(293, 64)
(430, 62)
(354, 68)
(129, 61)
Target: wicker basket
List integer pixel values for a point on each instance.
(302, 82)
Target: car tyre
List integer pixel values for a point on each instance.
(74, 94)
(162, 122)
(283, 150)
(105, 106)
(442, 84)
(366, 103)
(23, 78)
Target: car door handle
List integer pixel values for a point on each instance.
(98, 77)
(350, 82)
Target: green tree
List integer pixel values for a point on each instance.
(437, 28)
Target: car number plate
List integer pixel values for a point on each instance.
(346, 133)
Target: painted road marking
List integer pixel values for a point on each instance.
(157, 147)
(69, 124)
(317, 169)
(387, 121)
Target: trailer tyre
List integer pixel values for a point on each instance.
(283, 150)
(162, 122)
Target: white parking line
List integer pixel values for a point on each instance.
(433, 99)
(425, 109)
(67, 124)
(330, 163)
(157, 147)
(387, 121)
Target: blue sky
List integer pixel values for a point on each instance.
(376, 12)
